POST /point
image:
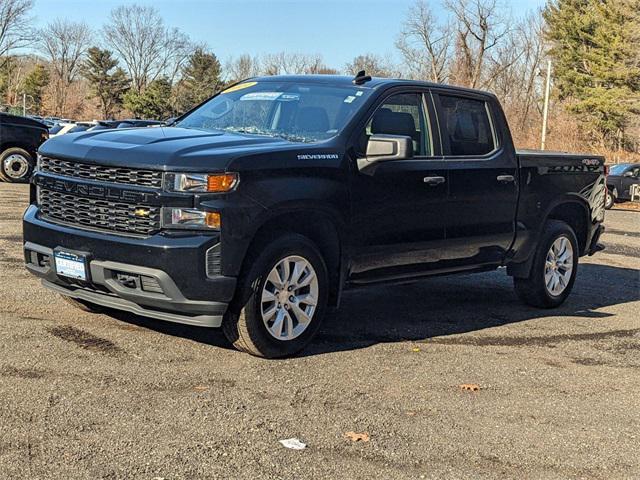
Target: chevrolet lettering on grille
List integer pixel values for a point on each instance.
(94, 191)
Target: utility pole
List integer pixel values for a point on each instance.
(545, 112)
(24, 104)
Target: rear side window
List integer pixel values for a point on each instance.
(467, 125)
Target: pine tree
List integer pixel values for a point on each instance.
(200, 80)
(152, 103)
(597, 62)
(108, 81)
(34, 85)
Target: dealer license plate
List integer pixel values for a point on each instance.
(70, 265)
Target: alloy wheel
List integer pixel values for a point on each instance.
(15, 166)
(289, 297)
(558, 266)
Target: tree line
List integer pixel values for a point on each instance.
(137, 64)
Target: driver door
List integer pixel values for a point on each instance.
(399, 210)
(630, 177)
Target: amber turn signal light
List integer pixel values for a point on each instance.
(222, 182)
(212, 220)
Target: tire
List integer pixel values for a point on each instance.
(262, 289)
(16, 165)
(612, 197)
(82, 305)
(538, 289)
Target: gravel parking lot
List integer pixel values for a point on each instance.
(94, 396)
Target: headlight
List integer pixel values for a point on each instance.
(198, 182)
(190, 219)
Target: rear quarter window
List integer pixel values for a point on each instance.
(467, 125)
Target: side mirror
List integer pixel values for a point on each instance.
(628, 173)
(169, 121)
(382, 148)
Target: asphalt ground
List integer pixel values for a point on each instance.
(96, 396)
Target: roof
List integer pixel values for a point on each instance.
(346, 80)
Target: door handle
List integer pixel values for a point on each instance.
(433, 181)
(505, 178)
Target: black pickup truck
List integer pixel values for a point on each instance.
(255, 210)
(20, 138)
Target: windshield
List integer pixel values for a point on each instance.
(618, 169)
(55, 129)
(298, 112)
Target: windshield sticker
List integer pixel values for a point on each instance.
(240, 86)
(270, 96)
(319, 156)
(349, 99)
(289, 97)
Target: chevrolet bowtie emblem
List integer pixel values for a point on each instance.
(141, 212)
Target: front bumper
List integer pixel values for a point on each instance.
(164, 276)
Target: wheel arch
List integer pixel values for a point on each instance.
(572, 209)
(323, 228)
(575, 212)
(23, 146)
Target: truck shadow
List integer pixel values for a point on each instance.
(437, 307)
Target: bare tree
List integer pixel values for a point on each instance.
(372, 64)
(245, 66)
(284, 63)
(425, 44)
(147, 47)
(64, 43)
(15, 31)
(479, 28)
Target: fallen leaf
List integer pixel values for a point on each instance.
(471, 387)
(293, 444)
(415, 349)
(357, 437)
(200, 388)
(411, 413)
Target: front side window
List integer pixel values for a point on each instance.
(467, 125)
(403, 114)
(298, 112)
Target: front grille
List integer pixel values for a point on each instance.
(127, 176)
(98, 214)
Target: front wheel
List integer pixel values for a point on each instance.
(280, 299)
(554, 268)
(16, 165)
(612, 195)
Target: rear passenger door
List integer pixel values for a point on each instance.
(483, 178)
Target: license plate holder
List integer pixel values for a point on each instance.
(71, 264)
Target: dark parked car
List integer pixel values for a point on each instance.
(20, 138)
(619, 182)
(254, 211)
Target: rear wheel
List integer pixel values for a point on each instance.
(612, 196)
(554, 268)
(16, 165)
(280, 300)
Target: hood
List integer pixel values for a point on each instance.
(159, 148)
(17, 120)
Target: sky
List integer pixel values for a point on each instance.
(338, 30)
